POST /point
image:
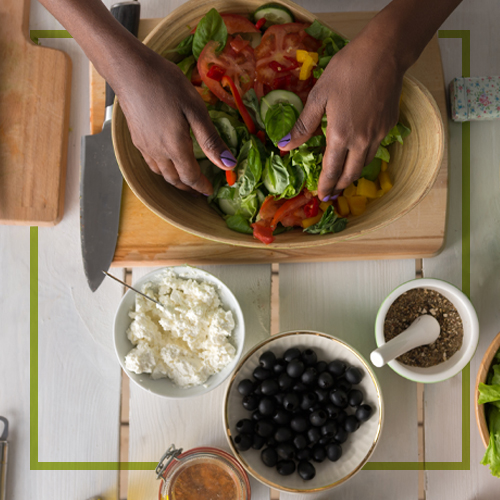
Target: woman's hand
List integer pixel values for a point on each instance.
(359, 91)
(161, 105)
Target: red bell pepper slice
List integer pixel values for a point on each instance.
(231, 177)
(262, 136)
(289, 207)
(216, 72)
(260, 23)
(227, 81)
(311, 208)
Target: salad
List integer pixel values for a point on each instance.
(255, 76)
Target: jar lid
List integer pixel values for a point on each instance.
(201, 473)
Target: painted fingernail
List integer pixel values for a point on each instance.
(326, 198)
(228, 159)
(284, 142)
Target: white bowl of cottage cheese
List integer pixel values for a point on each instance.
(188, 345)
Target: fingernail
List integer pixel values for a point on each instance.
(326, 198)
(284, 142)
(228, 159)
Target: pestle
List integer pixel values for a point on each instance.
(424, 330)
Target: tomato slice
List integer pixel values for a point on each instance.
(206, 95)
(238, 44)
(239, 66)
(275, 55)
(289, 207)
(238, 24)
(262, 231)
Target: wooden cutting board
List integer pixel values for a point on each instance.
(145, 239)
(35, 85)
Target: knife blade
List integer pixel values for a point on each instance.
(101, 180)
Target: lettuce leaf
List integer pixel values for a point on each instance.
(330, 222)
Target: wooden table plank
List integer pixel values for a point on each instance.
(419, 233)
(155, 423)
(342, 299)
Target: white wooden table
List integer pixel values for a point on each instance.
(79, 379)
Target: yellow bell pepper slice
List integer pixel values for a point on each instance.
(343, 206)
(306, 68)
(324, 205)
(366, 188)
(384, 165)
(380, 193)
(312, 220)
(350, 191)
(357, 204)
(302, 54)
(385, 181)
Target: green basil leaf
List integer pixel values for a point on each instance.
(185, 47)
(211, 27)
(187, 65)
(316, 141)
(239, 223)
(280, 119)
(330, 222)
(251, 101)
(372, 170)
(275, 176)
(310, 162)
(217, 183)
(297, 179)
(251, 170)
(383, 154)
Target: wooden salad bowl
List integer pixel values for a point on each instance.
(481, 378)
(413, 166)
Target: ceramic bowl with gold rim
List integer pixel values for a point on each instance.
(359, 446)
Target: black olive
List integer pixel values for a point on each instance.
(295, 368)
(291, 401)
(246, 387)
(243, 442)
(279, 398)
(269, 457)
(300, 387)
(318, 453)
(341, 435)
(338, 398)
(290, 354)
(299, 424)
(304, 454)
(261, 373)
(318, 418)
(300, 441)
(309, 376)
(353, 375)
(351, 424)
(282, 417)
(285, 467)
(325, 440)
(245, 426)
(336, 367)
(280, 366)
(309, 357)
(322, 395)
(257, 415)
(258, 442)
(321, 366)
(313, 435)
(332, 410)
(325, 380)
(355, 397)
(267, 360)
(363, 413)
(285, 382)
(264, 428)
(341, 418)
(329, 429)
(267, 406)
(286, 451)
(333, 451)
(315, 407)
(270, 387)
(283, 434)
(309, 399)
(258, 389)
(343, 385)
(306, 470)
(250, 402)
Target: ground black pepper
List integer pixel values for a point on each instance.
(414, 303)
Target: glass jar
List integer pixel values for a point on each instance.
(202, 474)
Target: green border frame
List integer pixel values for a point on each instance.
(464, 35)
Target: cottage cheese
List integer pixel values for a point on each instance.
(188, 339)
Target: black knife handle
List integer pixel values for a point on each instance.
(128, 15)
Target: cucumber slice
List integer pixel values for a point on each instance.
(253, 38)
(279, 96)
(274, 13)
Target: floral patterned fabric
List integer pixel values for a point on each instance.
(475, 98)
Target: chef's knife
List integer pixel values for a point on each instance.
(101, 179)
(4, 447)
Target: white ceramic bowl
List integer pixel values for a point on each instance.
(357, 449)
(459, 360)
(165, 387)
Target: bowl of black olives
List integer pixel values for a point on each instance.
(303, 412)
